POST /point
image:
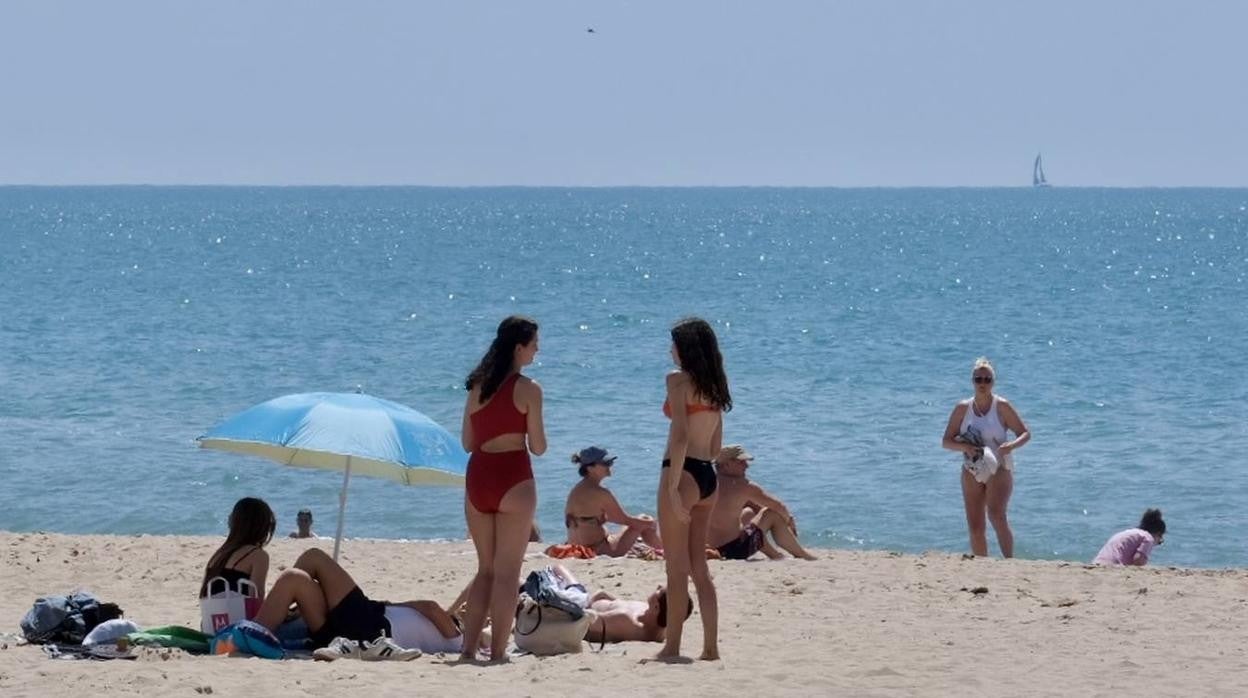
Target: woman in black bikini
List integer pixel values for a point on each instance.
(591, 505)
(241, 558)
(697, 397)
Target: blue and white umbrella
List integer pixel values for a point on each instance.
(346, 432)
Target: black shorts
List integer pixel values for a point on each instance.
(749, 542)
(356, 617)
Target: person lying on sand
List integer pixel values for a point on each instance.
(591, 506)
(745, 513)
(334, 606)
(622, 620)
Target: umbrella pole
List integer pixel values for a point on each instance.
(342, 507)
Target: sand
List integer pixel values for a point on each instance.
(851, 623)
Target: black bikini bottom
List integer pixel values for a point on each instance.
(703, 473)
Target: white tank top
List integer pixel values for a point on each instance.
(410, 629)
(990, 427)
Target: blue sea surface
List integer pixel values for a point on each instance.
(132, 319)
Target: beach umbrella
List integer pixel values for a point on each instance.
(348, 432)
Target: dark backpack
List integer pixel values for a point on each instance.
(66, 619)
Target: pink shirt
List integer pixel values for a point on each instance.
(1122, 548)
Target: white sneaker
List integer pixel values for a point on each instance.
(339, 648)
(383, 648)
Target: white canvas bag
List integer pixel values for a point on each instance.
(223, 605)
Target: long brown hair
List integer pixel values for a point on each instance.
(252, 523)
(514, 331)
(698, 351)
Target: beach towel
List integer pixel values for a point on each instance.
(570, 550)
(983, 465)
(174, 636)
(641, 551)
(73, 651)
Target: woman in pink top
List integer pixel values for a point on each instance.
(1132, 546)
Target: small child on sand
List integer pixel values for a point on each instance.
(1132, 546)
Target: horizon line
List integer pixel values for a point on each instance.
(219, 185)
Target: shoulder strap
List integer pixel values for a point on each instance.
(602, 640)
(244, 557)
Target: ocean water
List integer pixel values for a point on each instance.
(132, 319)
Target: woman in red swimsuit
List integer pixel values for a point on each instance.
(502, 424)
(697, 397)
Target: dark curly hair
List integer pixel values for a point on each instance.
(698, 350)
(1152, 522)
(514, 331)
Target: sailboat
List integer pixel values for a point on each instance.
(1037, 174)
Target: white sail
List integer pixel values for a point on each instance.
(1037, 174)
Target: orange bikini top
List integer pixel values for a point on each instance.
(690, 408)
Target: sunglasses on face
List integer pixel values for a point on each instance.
(983, 379)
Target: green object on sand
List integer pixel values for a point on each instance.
(172, 636)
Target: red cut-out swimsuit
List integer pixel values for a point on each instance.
(492, 475)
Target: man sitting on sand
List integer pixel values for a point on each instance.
(745, 513)
(621, 620)
(303, 525)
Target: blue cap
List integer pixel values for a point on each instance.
(592, 455)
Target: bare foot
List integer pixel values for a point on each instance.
(667, 653)
(710, 656)
(808, 556)
(667, 659)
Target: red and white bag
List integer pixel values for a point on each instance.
(223, 605)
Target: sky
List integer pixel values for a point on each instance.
(678, 92)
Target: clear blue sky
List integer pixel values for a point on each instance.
(678, 92)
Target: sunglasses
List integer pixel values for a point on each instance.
(983, 379)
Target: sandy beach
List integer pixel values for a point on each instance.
(860, 623)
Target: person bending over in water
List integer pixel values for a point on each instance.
(334, 606)
(975, 426)
(502, 424)
(242, 558)
(745, 513)
(697, 397)
(1133, 546)
(591, 506)
(622, 620)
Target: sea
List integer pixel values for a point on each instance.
(133, 319)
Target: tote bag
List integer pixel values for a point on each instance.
(545, 630)
(224, 606)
